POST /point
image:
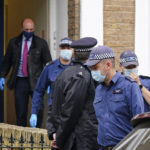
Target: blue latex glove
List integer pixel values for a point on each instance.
(33, 120)
(2, 82)
(48, 89)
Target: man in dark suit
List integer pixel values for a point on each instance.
(26, 54)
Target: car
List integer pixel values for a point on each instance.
(139, 137)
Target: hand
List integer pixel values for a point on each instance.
(2, 82)
(33, 120)
(53, 142)
(135, 77)
(48, 89)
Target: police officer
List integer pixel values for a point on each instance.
(47, 78)
(117, 98)
(72, 123)
(129, 64)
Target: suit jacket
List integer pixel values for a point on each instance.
(38, 56)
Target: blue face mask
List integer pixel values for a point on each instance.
(127, 72)
(97, 76)
(66, 54)
(28, 34)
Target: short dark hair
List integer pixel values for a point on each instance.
(81, 55)
(63, 46)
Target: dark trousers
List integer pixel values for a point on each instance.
(22, 94)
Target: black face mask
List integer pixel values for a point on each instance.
(28, 34)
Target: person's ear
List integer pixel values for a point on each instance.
(108, 64)
(72, 51)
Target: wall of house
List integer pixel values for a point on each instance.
(91, 19)
(119, 25)
(115, 27)
(142, 35)
(74, 19)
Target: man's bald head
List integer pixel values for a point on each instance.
(28, 25)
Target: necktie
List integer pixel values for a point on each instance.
(24, 60)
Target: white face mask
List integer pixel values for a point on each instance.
(97, 76)
(127, 72)
(66, 54)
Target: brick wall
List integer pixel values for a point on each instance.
(119, 25)
(74, 19)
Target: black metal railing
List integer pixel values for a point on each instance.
(22, 145)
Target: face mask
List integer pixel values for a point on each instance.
(127, 72)
(28, 34)
(96, 75)
(66, 54)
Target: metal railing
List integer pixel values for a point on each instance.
(10, 143)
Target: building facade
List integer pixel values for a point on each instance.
(120, 24)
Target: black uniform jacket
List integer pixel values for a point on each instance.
(71, 115)
(38, 56)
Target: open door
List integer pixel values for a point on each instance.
(14, 12)
(51, 23)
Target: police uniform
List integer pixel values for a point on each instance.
(47, 78)
(128, 58)
(72, 115)
(145, 81)
(115, 104)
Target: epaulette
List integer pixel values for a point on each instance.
(144, 77)
(49, 63)
(130, 79)
(81, 71)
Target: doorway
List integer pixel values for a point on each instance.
(51, 24)
(14, 12)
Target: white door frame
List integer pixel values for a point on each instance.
(58, 23)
